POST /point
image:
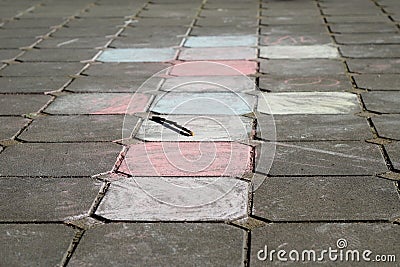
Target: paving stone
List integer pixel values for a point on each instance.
(199, 84)
(217, 68)
(100, 103)
(6, 54)
(83, 31)
(68, 42)
(363, 28)
(187, 159)
(223, 30)
(374, 65)
(308, 103)
(293, 29)
(312, 127)
(57, 55)
(285, 11)
(291, 20)
(384, 102)
(85, 128)
(89, 22)
(221, 41)
(58, 159)
(387, 125)
(298, 52)
(31, 84)
(9, 126)
(218, 53)
(380, 239)
(35, 23)
(242, 22)
(22, 104)
(370, 38)
(326, 198)
(324, 158)
(205, 128)
(151, 41)
(137, 55)
(203, 103)
(46, 199)
(22, 33)
(394, 155)
(295, 39)
(41, 244)
(165, 22)
(126, 69)
(152, 244)
(175, 199)
(112, 84)
(304, 84)
(152, 13)
(41, 68)
(227, 12)
(161, 32)
(310, 67)
(370, 51)
(353, 11)
(7, 43)
(378, 81)
(357, 19)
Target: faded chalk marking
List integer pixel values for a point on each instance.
(299, 52)
(68, 42)
(221, 41)
(137, 55)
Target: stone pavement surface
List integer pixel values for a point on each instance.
(199, 133)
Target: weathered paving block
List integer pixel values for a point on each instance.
(218, 53)
(222, 68)
(305, 67)
(295, 39)
(308, 103)
(304, 84)
(23, 23)
(58, 55)
(204, 128)
(384, 102)
(22, 104)
(187, 159)
(148, 41)
(323, 158)
(166, 22)
(248, 12)
(343, 19)
(126, 69)
(378, 81)
(11, 42)
(221, 41)
(370, 51)
(73, 42)
(137, 55)
(8, 53)
(43, 244)
(242, 22)
(42, 68)
(203, 103)
(76, 128)
(341, 238)
(394, 154)
(199, 84)
(371, 38)
(227, 30)
(45, 199)
(175, 199)
(100, 103)
(312, 127)
(283, 20)
(387, 125)
(84, 31)
(326, 198)
(58, 159)
(22, 33)
(293, 29)
(363, 28)
(31, 84)
(380, 66)
(298, 52)
(9, 126)
(152, 244)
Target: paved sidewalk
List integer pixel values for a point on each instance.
(199, 133)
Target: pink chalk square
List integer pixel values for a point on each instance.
(193, 159)
(215, 68)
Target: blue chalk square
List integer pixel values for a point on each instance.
(221, 41)
(137, 55)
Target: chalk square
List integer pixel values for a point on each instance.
(137, 55)
(299, 52)
(221, 41)
(215, 68)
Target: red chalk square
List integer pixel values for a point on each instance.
(211, 68)
(188, 159)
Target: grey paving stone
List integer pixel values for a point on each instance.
(9, 126)
(314, 67)
(378, 81)
(45, 199)
(374, 65)
(223, 30)
(312, 127)
(357, 19)
(8, 53)
(154, 245)
(227, 21)
(109, 11)
(85, 128)
(363, 28)
(353, 11)
(58, 159)
(295, 39)
(93, 31)
(394, 155)
(39, 244)
(370, 51)
(88, 22)
(126, 69)
(250, 11)
(42, 68)
(153, 41)
(384, 102)
(295, 20)
(326, 198)
(148, 22)
(380, 239)
(160, 13)
(22, 104)
(279, 12)
(387, 125)
(58, 55)
(7, 43)
(304, 84)
(293, 29)
(68, 42)
(31, 84)
(22, 33)
(370, 38)
(160, 32)
(323, 158)
(35, 23)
